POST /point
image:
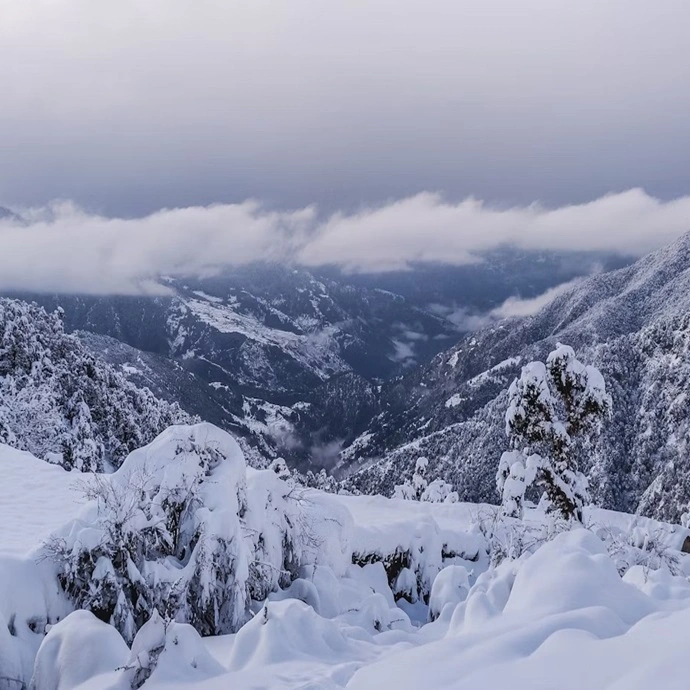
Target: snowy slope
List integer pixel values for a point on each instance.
(34, 497)
(558, 614)
(632, 324)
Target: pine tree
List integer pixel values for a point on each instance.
(420, 489)
(554, 410)
(61, 403)
(413, 489)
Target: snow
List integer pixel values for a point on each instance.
(35, 498)
(77, 649)
(455, 400)
(511, 632)
(487, 375)
(269, 419)
(315, 350)
(490, 375)
(217, 385)
(554, 613)
(130, 370)
(450, 588)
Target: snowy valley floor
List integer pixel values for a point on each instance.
(559, 617)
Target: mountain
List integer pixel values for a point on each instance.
(60, 402)
(632, 323)
(273, 354)
(292, 360)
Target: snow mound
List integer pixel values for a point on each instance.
(76, 650)
(571, 572)
(450, 588)
(287, 630)
(169, 652)
(30, 600)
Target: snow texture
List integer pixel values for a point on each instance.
(529, 603)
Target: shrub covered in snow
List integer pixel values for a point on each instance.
(553, 409)
(58, 401)
(179, 530)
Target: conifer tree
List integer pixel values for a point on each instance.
(554, 410)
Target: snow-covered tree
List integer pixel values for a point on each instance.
(61, 403)
(418, 487)
(280, 468)
(439, 491)
(321, 480)
(412, 489)
(180, 530)
(176, 501)
(554, 410)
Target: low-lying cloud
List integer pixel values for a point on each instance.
(62, 248)
(516, 306)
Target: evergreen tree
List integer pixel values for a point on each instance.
(420, 489)
(413, 489)
(61, 403)
(554, 410)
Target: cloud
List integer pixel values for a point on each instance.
(515, 306)
(134, 105)
(426, 228)
(61, 248)
(462, 318)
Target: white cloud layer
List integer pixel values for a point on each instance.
(515, 306)
(61, 248)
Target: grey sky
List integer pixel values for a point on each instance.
(129, 106)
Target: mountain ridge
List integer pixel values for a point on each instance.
(631, 323)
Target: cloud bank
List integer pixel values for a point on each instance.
(61, 248)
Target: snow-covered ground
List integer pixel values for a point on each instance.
(559, 616)
(35, 497)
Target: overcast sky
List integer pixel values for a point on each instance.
(360, 121)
